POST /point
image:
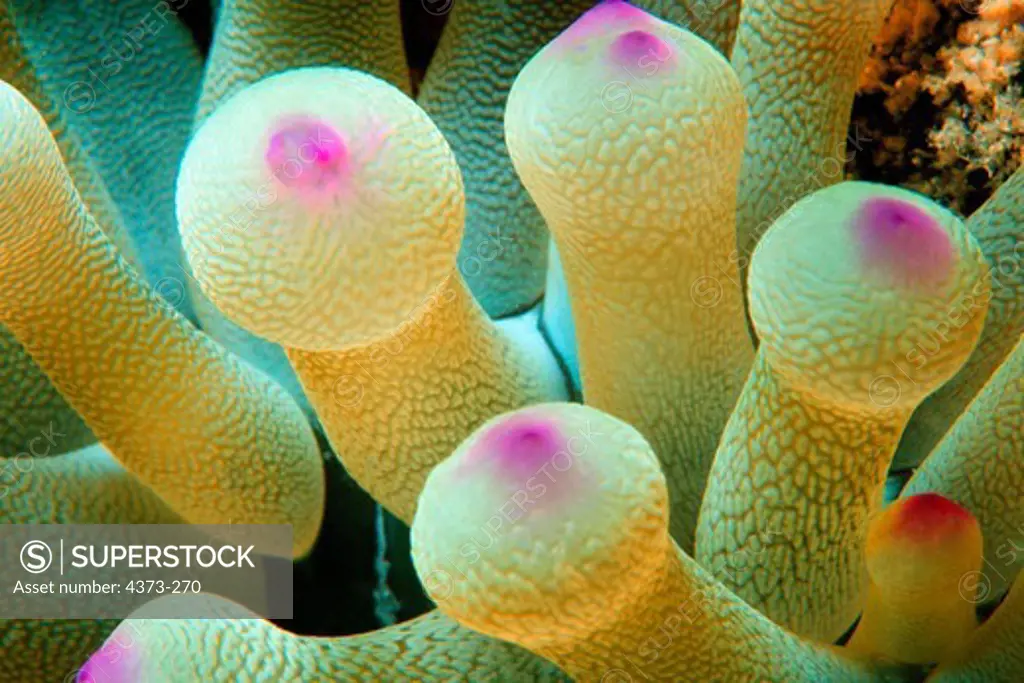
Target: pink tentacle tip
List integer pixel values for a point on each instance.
(640, 48)
(606, 15)
(306, 154)
(527, 454)
(929, 517)
(519, 446)
(905, 243)
(112, 663)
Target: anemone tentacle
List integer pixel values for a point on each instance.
(918, 608)
(352, 269)
(166, 400)
(644, 218)
(30, 404)
(843, 286)
(429, 648)
(255, 39)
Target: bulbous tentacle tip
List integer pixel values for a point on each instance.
(904, 244)
(535, 494)
(923, 540)
(306, 197)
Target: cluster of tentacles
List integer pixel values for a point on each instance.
(199, 268)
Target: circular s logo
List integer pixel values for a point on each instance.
(36, 557)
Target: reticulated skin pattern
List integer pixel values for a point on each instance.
(638, 186)
(429, 648)
(17, 69)
(999, 228)
(715, 21)
(31, 407)
(846, 284)
(978, 464)
(484, 46)
(799, 62)
(29, 403)
(82, 487)
(216, 439)
(918, 609)
(127, 74)
(258, 38)
(995, 654)
(399, 405)
(399, 361)
(558, 540)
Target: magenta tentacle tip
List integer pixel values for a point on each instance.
(526, 452)
(904, 243)
(112, 663)
(307, 154)
(519, 446)
(632, 46)
(599, 18)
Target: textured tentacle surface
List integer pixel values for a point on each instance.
(203, 429)
(17, 69)
(918, 608)
(400, 405)
(30, 404)
(429, 648)
(799, 62)
(996, 652)
(82, 487)
(999, 228)
(578, 565)
(484, 46)
(127, 74)
(258, 38)
(978, 464)
(843, 287)
(642, 205)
